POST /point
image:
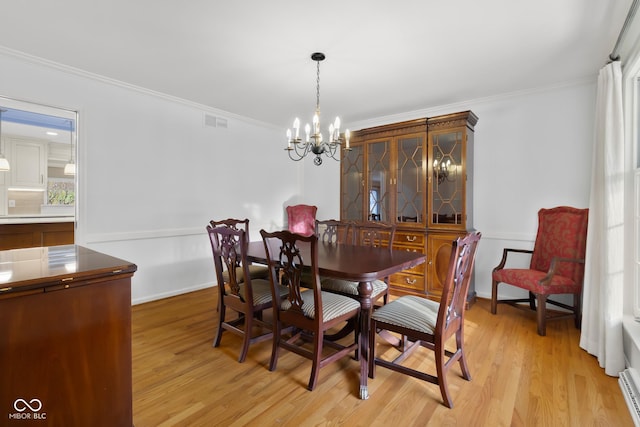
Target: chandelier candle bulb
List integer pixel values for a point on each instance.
(296, 126)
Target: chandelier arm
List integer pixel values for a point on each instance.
(301, 149)
(331, 151)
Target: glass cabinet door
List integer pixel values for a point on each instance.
(410, 186)
(447, 180)
(379, 168)
(352, 185)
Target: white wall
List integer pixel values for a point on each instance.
(151, 175)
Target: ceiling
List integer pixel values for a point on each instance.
(252, 57)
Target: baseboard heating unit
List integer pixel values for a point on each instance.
(629, 381)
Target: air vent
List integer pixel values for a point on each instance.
(215, 122)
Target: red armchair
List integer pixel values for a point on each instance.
(301, 219)
(557, 266)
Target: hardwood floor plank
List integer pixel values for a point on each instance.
(518, 377)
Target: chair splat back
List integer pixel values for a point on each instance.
(377, 234)
(456, 286)
(226, 242)
(334, 231)
(292, 267)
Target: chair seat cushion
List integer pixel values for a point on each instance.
(255, 272)
(410, 311)
(333, 305)
(530, 280)
(346, 287)
(262, 291)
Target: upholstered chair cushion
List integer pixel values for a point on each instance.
(262, 291)
(351, 288)
(412, 312)
(333, 305)
(531, 281)
(255, 271)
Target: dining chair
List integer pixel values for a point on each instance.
(311, 311)
(556, 267)
(256, 271)
(239, 292)
(421, 322)
(301, 219)
(365, 233)
(334, 231)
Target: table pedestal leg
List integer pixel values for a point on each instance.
(364, 289)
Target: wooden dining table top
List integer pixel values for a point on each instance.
(351, 262)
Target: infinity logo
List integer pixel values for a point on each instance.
(21, 405)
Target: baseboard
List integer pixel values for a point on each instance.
(629, 381)
(170, 294)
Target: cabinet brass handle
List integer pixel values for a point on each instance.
(410, 282)
(411, 238)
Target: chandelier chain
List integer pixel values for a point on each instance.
(318, 86)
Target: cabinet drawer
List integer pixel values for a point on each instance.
(407, 280)
(404, 238)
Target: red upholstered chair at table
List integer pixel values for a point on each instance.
(301, 219)
(557, 266)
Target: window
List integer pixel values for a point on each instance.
(39, 142)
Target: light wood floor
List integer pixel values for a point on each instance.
(518, 378)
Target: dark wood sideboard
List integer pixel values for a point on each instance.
(65, 340)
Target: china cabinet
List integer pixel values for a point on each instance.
(418, 175)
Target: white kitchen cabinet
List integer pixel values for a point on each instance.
(28, 160)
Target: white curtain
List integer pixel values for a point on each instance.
(603, 285)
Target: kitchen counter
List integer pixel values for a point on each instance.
(34, 219)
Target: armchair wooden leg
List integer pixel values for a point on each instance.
(494, 297)
(542, 314)
(532, 300)
(577, 309)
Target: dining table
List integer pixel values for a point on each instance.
(362, 264)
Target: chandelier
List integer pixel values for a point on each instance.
(314, 142)
(441, 169)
